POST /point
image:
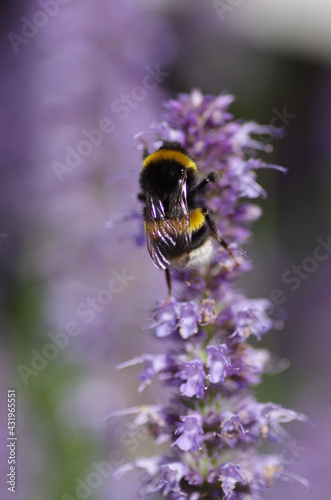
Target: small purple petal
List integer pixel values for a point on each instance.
(217, 362)
(251, 318)
(189, 317)
(172, 474)
(194, 375)
(230, 476)
(165, 320)
(190, 432)
(230, 423)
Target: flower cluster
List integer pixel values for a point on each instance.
(212, 420)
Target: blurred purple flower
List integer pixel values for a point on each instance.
(214, 424)
(79, 77)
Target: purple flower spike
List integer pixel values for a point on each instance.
(212, 424)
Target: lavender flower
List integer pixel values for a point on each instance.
(214, 424)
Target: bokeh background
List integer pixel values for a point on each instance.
(65, 67)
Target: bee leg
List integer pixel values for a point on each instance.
(217, 235)
(168, 279)
(141, 197)
(212, 178)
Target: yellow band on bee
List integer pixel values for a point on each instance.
(171, 155)
(197, 219)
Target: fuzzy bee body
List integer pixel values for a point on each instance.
(182, 242)
(201, 255)
(179, 228)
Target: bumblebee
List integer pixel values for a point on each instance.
(179, 228)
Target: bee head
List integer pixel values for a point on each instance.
(165, 169)
(164, 178)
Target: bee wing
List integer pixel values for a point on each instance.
(167, 230)
(178, 211)
(160, 233)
